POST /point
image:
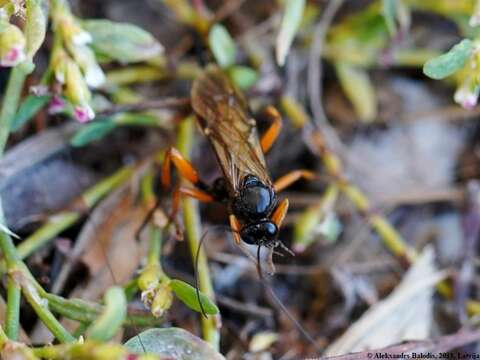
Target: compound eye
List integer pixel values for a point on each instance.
(249, 237)
(261, 233)
(269, 230)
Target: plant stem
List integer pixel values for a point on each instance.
(193, 230)
(112, 316)
(20, 277)
(75, 309)
(9, 108)
(12, 321)
(10, 103)
(154, 247)
(30, 289)
(63, 220)
(86, 312)
(91, 350)
(334, 167)
(55, 225)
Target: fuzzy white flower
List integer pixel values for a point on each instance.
(475, 18)
(81, 37)
(14, 56)
(85, 58)
(12, 45)
(467, 95)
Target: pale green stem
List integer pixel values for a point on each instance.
(193, 229)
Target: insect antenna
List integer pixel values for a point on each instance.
(195, 273)
(197, 255)
(269, 289)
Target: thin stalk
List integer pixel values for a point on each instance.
(54, 226)
(19, 276)
(112, 317)
(12, 322)
(7, 113)
(193, 229)
(75, 309)
(90, 350)
(10, 103)
(154, 247)
(22, 277)
(391, 238)
(334, 167)
(152, 273)
(6, 243)
(86, 312)
(63, 220)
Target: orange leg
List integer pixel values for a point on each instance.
(235, 225)
(288, 179)
(272, 133)
(193, 193)
(184, 167)
(280, 212)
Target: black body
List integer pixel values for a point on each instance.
(226, 120)
(252, 206)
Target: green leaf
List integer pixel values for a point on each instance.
(112, 317)
(315, 220)
(93, 131)
(172, 343)
(291, 20)
(359, 89)
(304, 230)
(330, 227)
(6, 230)
(122, 42)
(29, 107)
(243, 76)
(389, 11)
(137, 119)
(188, 295)
(36, 25)
(222, 46)
(450, 62)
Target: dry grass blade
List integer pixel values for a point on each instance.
(405, 314)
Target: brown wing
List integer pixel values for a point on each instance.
(225, 119)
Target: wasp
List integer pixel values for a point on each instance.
(224, 117)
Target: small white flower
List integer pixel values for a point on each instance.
(85, 58)
(467, 95)
(59, 65)
(475, 18)
(14, 56)
(94, 75)
(12, 45)
(81, 38)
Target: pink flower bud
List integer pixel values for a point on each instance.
(56, 105)
(13, 57)
(12, 45)
(83, 114)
